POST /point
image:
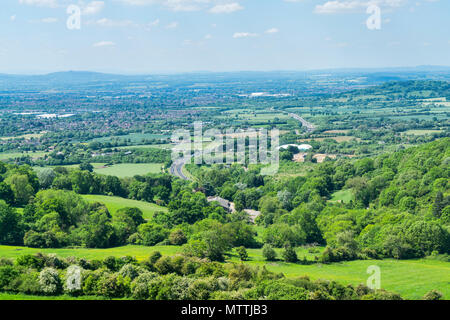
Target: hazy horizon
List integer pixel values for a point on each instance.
(185, 36)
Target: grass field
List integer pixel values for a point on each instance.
(421, 132)
(115, 203)
(133, 137)
(123, 170)
(410, 278)
(24, 136)
(342, 196)
(13, 155)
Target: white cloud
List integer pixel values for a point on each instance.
(175, 5)
(40, 3)
(339, 6)
(49, 20)
(331, 7)
(93, 7)
(172, 25)
(104, 44)
(218, 6)
(272, 31)
(237, 35)
(13, 18)
(208, 36)
(154, 23)
(226, 8)
(104, 22)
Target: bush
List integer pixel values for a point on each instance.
(49, 281)
(30, 261)
(131, 271)
(26, 283)
(177, 237)
(242, 252)
(289, 254)
(113, 285)
(269, 253)
(7, 274)
(140, 285)
(73, 280)
(432, 295)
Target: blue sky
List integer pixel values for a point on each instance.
(155, 36)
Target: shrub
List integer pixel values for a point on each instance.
(289, 254)
(131, 271)
(73, 280)
(49, 281)
(140, 285)
(7, 274)
(26, 283)
(177, 237)
(432, 295)
(113, 285)
(30, 261)
(269, 252)
(242, 252)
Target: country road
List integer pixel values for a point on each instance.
(308, 125)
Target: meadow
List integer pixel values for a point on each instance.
(344, 196)
(123, 170)
(120, 170)
(14, 155)
(115, 203)
(410, 278)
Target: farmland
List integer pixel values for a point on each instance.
(369, 187)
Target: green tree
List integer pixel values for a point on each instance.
(242, 252)
(269, 252)
(21, 187)
(11, 227)
(289, 254)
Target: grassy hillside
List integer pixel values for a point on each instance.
(115, 203)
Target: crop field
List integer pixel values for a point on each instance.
(115, 203)
(410, 278)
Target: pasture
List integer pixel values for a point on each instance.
(123, 170)
(115, 203)
(344, 196)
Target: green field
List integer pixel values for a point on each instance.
(344, 196)
(123, 170)
(410, 278)
(133, 137)
(13, 155)
(421, 132)
(115, 203)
